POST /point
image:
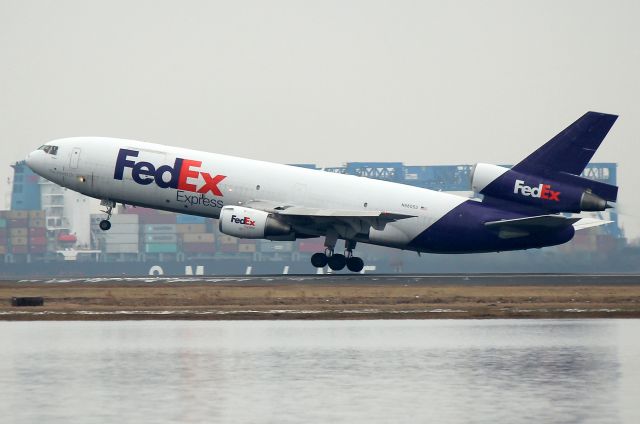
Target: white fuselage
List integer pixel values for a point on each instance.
(90, 166)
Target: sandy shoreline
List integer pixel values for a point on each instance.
(326, 300)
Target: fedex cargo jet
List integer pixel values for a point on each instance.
(531, 205)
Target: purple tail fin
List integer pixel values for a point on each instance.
(549, 178)
(571, 150)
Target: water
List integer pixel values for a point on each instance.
(467, 371)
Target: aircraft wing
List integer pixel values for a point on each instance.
(522, 227)
(345, 222)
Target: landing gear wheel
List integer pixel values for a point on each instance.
(105, 225)
(319, 260)
(355, 264)
(337, 262)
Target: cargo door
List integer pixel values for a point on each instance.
(75, 158)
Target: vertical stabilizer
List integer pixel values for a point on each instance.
(571, 150)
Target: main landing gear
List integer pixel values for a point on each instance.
(105, 224)
(337, 261)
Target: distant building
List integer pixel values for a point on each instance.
(66, 211)
(25, 194)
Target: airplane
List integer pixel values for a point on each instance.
(531, 205)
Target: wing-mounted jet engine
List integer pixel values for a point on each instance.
(238, 221)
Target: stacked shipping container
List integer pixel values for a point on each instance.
(4, 240)
(18, 231)
(122, 238)
(160, 238)
(195, 237)
(137, 230)
(157, 230)
(23, 232)
(37, 232)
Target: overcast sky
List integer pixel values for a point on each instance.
(326, 82)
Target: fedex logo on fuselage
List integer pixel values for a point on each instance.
(543, 191)
(243, 221)
(179, 175)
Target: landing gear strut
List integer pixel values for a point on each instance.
(337, 261)
(105, 224)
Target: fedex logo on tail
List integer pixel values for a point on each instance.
(543, 191)
(183, 175)
(243, 221)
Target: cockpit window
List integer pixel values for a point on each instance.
(52, 150)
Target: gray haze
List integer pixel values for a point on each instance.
(324, 82)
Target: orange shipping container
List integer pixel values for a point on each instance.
(224, 239)
(18, 250)
(246, 248)
(18, 232)
(229, 248)
(17, 222)
(37, 215)
(198, 238)
(37, 232)
(17, 214)
(37, 223)
(19, 241)
(191, 228)
(207, 248)
(37, 241)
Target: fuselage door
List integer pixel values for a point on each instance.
(75, 157)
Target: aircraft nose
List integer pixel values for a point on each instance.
(34, 160)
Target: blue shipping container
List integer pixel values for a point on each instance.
(190, 219)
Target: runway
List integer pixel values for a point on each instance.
(428, 280)
(326, 297)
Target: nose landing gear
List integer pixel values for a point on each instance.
(105, 224)
(337, 261)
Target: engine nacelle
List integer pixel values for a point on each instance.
(559, 192)
(484, 174)
(241, 222)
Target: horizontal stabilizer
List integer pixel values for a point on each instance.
(589, 222)
(523, 227)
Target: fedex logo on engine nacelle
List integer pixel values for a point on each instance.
(543, 191)
(243, 221)
(179, 174)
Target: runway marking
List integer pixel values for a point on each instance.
(359, 279)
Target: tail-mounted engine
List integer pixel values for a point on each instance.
(250, 223)
(555, 192)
